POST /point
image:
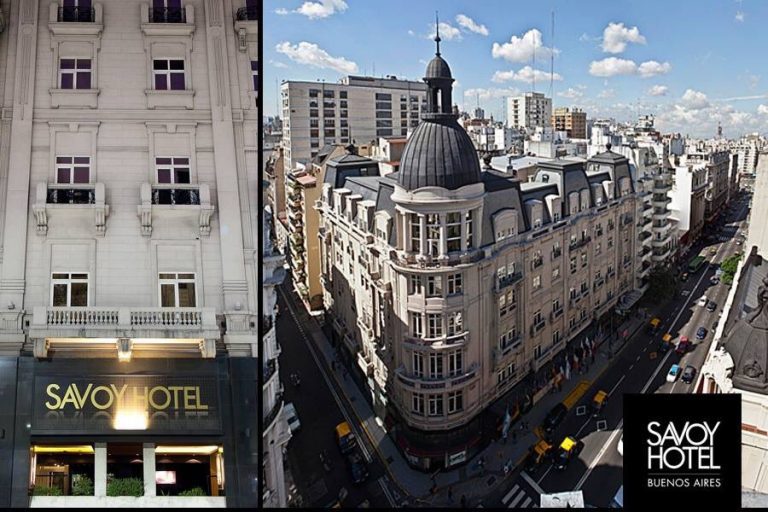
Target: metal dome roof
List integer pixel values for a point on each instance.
(439, 153)
(438, 68)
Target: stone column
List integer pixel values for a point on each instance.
(150, 487)
(100, 470)
(443, 237)
(423, 234)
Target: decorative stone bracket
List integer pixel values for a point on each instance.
(149, 206)
(96, 204)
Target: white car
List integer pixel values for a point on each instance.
(674, 372)
(621, 445)
(702, 301)
(685, 293)
(292, 417)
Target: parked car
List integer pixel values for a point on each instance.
(702, 301)
(345, 439)
(683, 345)
(357, 467)
(711, 307)
(701, 333)
(292, 417)
(554, 417)
(688, 374)
(674, 372)
(569, 449)
(714, 280)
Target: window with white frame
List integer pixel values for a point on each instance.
(469, 223)
(69, 289)
(418, 364)
(435, 405)
(555, 273)
(415, 233)
(455, 323)
(255, 75)
(434, 286)
(177, 290)
(433, 234)
(414, 284)
(74, 73)
(453, 231)
(435, 365)
(506, 374)
(73, 169)
(536, 282)
(434, 325)
(417, 327)
(417, 404)
(454, 284)
(168, 74)
(455, 363)
(455, 401)
(172, 170)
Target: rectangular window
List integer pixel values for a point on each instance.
(555, 273)
(434, 286)
(168, 74)
(177, 290)
(73, 169)
(573, 264)
(454, 284)
(255, 74)
(414, 284)
(536, 282)
(468, 221)
(418, 364)
(455, 323)
(69, 290)
(455, 401)
(435, 365)
(415, 233)
(417, 327)
(555, 305)
(455, 363)
(433, 234)
(435, 405)
(75, 73)
(584, 259)
(417, 405)
(434, 325)
(172, 170)
(453, 231)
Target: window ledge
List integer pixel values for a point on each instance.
(74, 98)
(170, 99)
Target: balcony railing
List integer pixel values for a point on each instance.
(167, 15)
(556, 253)
(537, 263)
(74, 14)
(85, 194)
(175, 196)
(249, 13)
(137, 319)
(537, 327)
(508, 280)
(576, 244)
(556, 313)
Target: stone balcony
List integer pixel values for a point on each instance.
(108, 326)
(65, 205)
(188, 203)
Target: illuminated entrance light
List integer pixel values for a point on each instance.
(131, 420)
(187, 450)
(124, 347)
(63, 449)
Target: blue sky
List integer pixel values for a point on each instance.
(691, 63)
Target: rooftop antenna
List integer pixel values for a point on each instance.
(437, 34)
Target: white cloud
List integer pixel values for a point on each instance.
(658, 90)
(762, 109)
(491, 93)
(695, 100)
(612, 66)
(321, 9)
(739, 16)
(447, 32)
(573, 93)
(282, 11)
(312, 55)
(521, 49)
(471, 25)
(607, 93)
(653, 68)
(616, 36)
(702, 121)
(526, 74)
(411, 33)
(278, 64)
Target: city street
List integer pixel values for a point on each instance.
(319, 409)
(638, 368)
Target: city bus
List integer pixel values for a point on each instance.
(696, 264)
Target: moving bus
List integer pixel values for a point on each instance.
(696, 263)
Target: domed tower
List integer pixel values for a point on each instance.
(439, 153)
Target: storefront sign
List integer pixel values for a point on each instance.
(103, 404)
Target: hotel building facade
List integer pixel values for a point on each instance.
(128, 234)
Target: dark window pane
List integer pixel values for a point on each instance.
(69, 3)
(61, 276)
(79, 294)
(174, 4)
(59, 294)
(181, 161)
(167, 296)
(182, 176)
(161, 82)
(63, 159)
(187, 276)
(163, 161)
(83, 80)
(66, 81)
(62, 176)
(177, 81)
(160, 64)
(81, 175)
(187, 295)
(67, 63)
(84, 3)
(164, 196)
(177, 64)
(83, 63)
(163, 175)
(82, 159)
(79, 276)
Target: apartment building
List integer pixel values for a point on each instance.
(128, 227)
(572, 121)
(687, 204)
(529, 110)
(276, 432)
(717, 163)
(447, 285)
(357, 109)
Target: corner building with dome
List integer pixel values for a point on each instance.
(449, 286)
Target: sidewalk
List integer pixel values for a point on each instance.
(415, 487)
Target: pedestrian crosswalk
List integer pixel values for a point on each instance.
(517, 497)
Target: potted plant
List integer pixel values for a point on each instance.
(125, 487)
